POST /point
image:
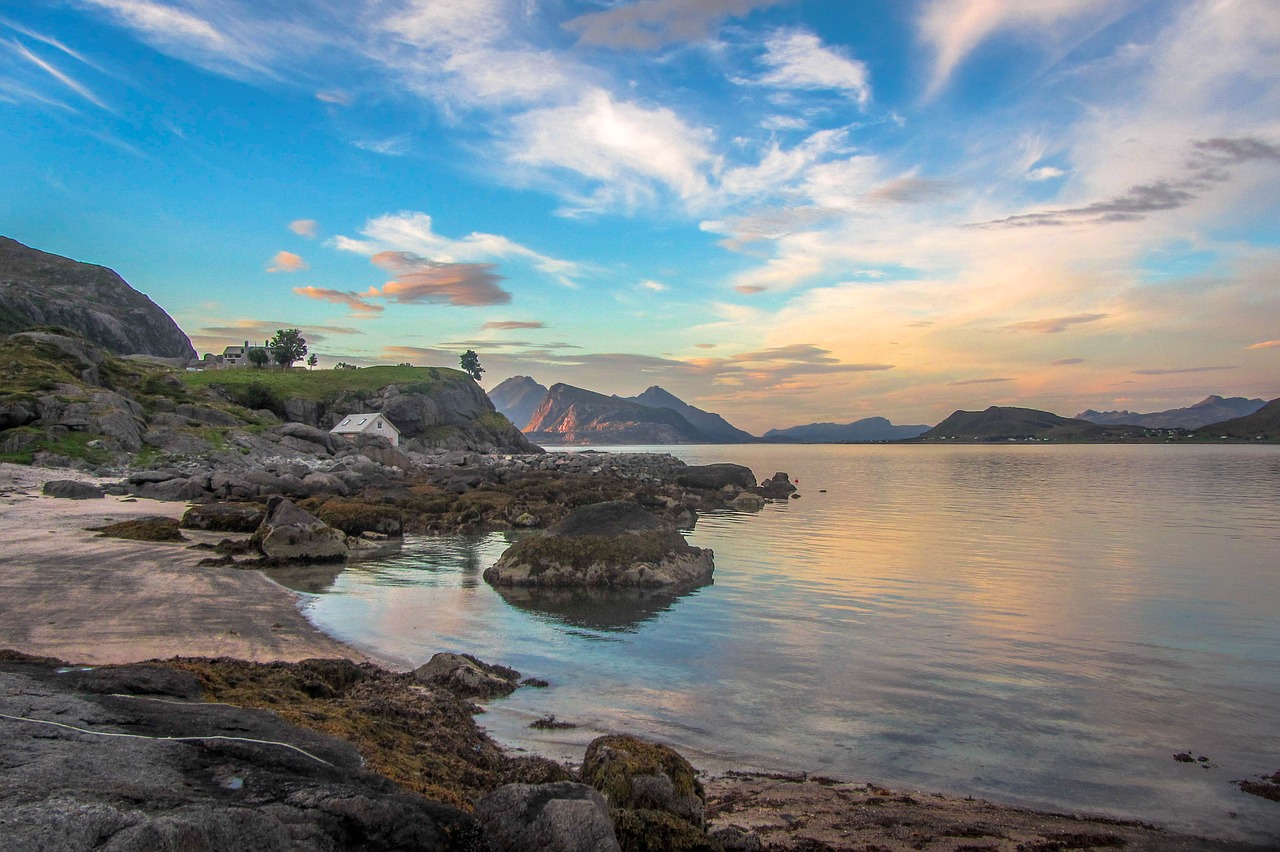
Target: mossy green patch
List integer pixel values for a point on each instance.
(321, 386)
(646, 830)
(612, 762)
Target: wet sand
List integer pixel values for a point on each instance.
(72, 594)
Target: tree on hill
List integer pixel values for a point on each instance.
(343, 365)
(470, 363)
(288, 345)
(312, 360)
(258, 357)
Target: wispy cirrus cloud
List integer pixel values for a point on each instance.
(63, 78)
(1206, 163)
(511, 325)
(358, 302)
(650, 24)
(996, 381)
(1266, 344)
(1173, 371)
(1054, 325)
(952, 29)
(797, 59)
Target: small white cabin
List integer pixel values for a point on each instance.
(368, 424)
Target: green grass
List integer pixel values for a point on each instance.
(73, 445)
(323, 385)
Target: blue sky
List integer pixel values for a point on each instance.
(780, 211)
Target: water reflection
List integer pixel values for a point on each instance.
(308, 579)
(609, 610)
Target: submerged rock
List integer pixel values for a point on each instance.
(467, 677)
(613, 544)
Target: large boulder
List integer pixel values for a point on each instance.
(72, 489)
(635, 774)
(559, 817)
(309, 434)
(467, 677)
(777, 487)
(289, 532)
(615, 544)
(709, 477)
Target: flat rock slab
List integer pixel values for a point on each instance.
(101, 758)
(803, 813)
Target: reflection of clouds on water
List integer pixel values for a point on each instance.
(610, 610)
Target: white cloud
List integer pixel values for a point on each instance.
(392, 146)
(629, 148)
(799, 61)
(1045, 173)
(953, 28)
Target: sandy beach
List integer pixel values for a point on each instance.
(69, 593)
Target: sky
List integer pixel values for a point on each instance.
(784, 211)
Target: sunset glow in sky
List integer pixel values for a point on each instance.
(780, 210)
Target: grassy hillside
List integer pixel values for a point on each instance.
(323, 385)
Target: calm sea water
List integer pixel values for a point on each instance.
(1042, 625)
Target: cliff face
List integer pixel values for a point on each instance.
(518, 399)
(37, 288)
(570, 415)
(714, 427)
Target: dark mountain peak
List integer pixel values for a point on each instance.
(517, 399)
(42, 289)
(1002, 422)
(1261, 425)
(714, 428)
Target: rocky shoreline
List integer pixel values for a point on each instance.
(402, 763)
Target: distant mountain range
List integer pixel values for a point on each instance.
(1263, 424)
(999, 423)
(867, 429)
(565, 414)
(1212, 409)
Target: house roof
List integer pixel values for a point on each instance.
(361, 423)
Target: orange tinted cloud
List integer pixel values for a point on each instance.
(419, 279)
(357, 302)
(1266, 344)
(287, 261)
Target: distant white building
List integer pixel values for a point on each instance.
(368, 424)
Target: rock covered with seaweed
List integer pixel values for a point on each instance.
(613, 544)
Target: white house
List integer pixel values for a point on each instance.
(368, 424)
(238, 356)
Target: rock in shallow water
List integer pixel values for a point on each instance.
(613, 544)
(289, 532)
